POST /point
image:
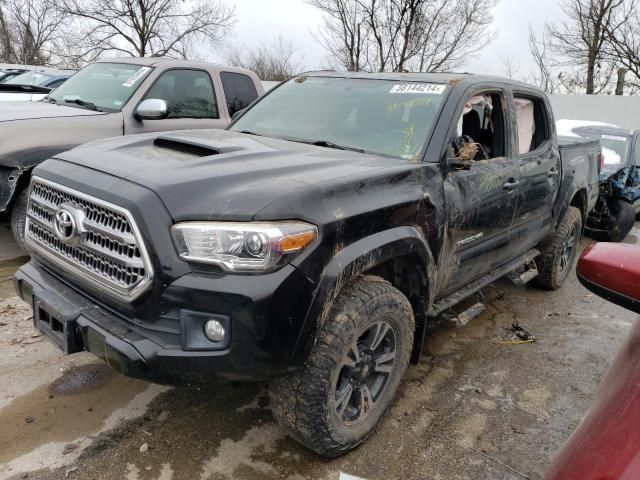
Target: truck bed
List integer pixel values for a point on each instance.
(566, 142)
(581, 163)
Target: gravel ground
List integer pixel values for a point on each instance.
(472, 409)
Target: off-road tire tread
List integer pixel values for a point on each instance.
(623, 224)
(298, 401)
(549, 277)
(18, 218)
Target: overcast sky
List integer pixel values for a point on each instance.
(258, 21)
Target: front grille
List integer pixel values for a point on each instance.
(104, 245)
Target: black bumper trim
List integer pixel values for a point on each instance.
(131, 350)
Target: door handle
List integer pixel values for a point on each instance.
(511, 184)
(553, 172)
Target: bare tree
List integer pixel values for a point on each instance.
(543, 77)
(146, 27)
(455, 30)
(7, 52)
(623, 45)
(510, 65)
(396, 28)
(344, 33)
(276, 60)
(423, 35)
(580, 41)
(29, 30)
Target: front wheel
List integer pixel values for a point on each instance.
(353, 372)
(558, 251)
(18, 218)
(622, 217)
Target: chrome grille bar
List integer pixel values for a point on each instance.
(106, 247)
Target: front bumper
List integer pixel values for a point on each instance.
(263, 319)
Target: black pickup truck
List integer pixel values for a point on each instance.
(311, 242)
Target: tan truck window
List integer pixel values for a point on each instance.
(188, 93)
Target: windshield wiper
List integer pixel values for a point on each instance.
(327, 144)
(250, 133)
(83, 103)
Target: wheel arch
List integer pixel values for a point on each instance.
(15, 180)
(578, 200)
(400, 255)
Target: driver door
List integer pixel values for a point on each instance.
(481, 201)
(191, 103)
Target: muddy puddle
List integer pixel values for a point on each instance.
(75, 405)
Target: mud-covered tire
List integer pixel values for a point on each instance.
(18, 217)
(306, 403)
(555, 262)
(623, 216)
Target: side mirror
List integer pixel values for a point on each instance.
(237, 113)
(457, 163)
(612, 271)
(151, 109)
(462, 152)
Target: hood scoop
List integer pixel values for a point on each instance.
(194, 146)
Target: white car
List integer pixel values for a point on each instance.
(33, 85)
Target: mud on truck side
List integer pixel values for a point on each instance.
(310, 243)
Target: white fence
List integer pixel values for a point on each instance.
(623, 111)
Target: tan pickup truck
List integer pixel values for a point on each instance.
(109, 98)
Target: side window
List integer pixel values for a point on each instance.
(56, 83)
(637, 150)
(481, 129)
(532, 123)
(188, 93)
(239, 90)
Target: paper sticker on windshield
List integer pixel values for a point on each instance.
(136, 76)
(426, 88)
(615, 137)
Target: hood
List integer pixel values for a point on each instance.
(21, 97)
(217, 174)
(35, 110)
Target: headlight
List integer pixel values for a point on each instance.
(242, 247)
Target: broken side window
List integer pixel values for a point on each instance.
(531, 122)
(482, 125)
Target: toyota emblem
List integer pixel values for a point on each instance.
(64, 225)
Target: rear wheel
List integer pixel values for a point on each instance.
(558, 251)
(353, 373)
(18, 217)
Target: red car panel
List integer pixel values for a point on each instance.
(606, 444)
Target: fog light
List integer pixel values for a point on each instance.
(214, 330)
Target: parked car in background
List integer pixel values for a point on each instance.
(606, 444)
(619, 200)
(33, 85)
(310, 242)
(113, 98)
(8, 73)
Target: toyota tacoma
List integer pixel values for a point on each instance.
(311, 243)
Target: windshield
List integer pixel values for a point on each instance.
(5, 76)
(30, 78)
(615, 146)
(107, 86)
(378, 116)
(615, 150)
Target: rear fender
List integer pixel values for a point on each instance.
(349, 263)
(577, 199)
